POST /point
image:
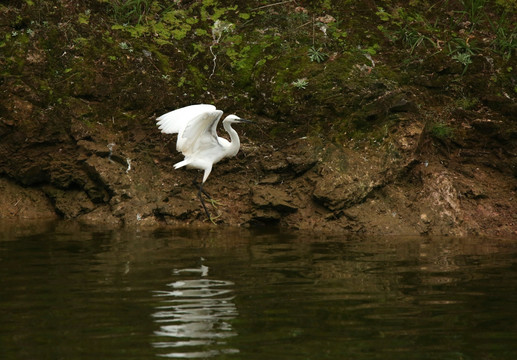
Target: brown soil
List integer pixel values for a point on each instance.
(96, 156)
(408, 189)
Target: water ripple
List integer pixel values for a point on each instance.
(194, 316)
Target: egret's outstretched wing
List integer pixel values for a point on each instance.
(200, 133)
(176, 121)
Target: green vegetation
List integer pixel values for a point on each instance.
(317, 55)
(505, 42)
(473, 11)
(300, 83)
(461, 51)
(417, 28)
(165, 23)
(467, 103)
(130, 11)
(325, 67)
(441, 130)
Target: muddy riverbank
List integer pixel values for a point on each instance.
(378, 137)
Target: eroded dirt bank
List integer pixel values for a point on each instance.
(370, 144)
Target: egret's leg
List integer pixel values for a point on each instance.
(200, 196)
(212, 201)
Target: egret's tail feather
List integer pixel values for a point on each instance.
(181, 164)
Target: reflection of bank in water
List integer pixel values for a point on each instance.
(194, 318)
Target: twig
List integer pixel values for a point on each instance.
(275, 4)
(313, 31)
(153, 64)
(307, 23)
(218, 29)
(214, 60)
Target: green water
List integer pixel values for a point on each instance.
(68, 292)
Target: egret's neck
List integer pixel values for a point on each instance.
(235, 141)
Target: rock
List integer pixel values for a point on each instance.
(101, 215)
(391, 102)
(487, 125)
(297, 157)
(33, 173)
(272, 198)
(71, 203)
(110, 175)
(402, 104)
(270, 179)
(301, 156)
(275, 162)
(176, 210)
(18, 202)
(96, 192)
(502, 104)
(93, 148)
(265, 216)
(425, 219)
(65, 174)
(341, 192)
(339, 186)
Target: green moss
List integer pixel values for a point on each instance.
(14, 49)
(163, 61)
(248, 61)
(467, 103)
(441, 131)
(174, 23)
(84, 18)
(196, 79)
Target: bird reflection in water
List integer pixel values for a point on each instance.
(195, 315)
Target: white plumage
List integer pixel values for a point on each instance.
(196, 126)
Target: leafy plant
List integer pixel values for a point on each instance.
(461, 50)
(300, 83)
(316, 55)
(463, 58)
(124, 45)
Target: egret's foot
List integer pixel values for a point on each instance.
(214, 218)
(214, 202)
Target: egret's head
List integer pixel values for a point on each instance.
(235, 119)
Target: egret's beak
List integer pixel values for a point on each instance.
(245, 120)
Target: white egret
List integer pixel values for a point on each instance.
(196, 126)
